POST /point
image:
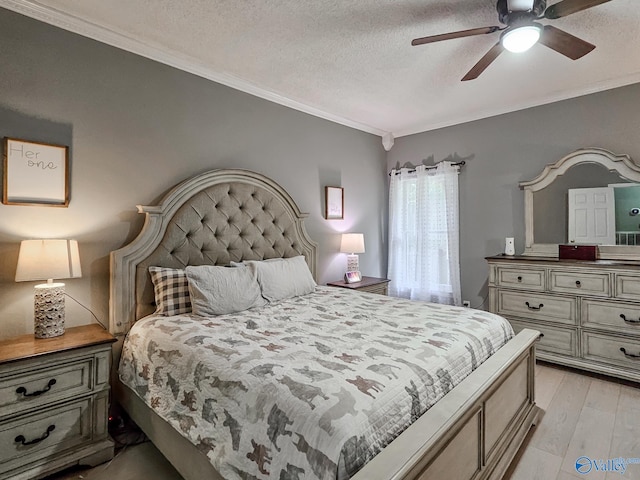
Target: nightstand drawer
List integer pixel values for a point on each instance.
(368, 284)
(579, 283)
(617, 317)
(22, 390)
(537, 306)
(609, 349)
(46, 434)
(531, 279)
(380, 289)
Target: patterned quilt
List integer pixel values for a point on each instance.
(309, 388)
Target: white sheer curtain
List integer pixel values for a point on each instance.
(424, 258)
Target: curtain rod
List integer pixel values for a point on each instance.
(429, 167)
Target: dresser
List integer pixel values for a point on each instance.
(54, 402)
(588, 312)
(368, 284)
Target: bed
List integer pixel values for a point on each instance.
(473, 431)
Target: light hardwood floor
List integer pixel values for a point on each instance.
(585, 415)
(139, 462)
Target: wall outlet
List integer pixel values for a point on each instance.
(466, 303)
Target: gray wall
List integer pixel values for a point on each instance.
(136, 128)
(511, 148)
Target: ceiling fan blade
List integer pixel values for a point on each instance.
(449, 36)
(484, 62)
(565, 43)
(567, 7)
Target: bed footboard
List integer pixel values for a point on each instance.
(475, 431)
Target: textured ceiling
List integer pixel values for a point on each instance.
(351, 60)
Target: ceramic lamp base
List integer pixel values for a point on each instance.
(48, 314)
(352, 263)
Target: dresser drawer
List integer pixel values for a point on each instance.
(531, 279)
(578, 283)
(607, 349)
(553, 339)
(628, 286)
(24, 389)
(614, 316)
(44, 435)
(537, 306)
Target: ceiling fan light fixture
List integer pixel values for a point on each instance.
(522, 38)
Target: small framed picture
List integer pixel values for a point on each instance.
(35, 173)
(352, 277)
(333, 203)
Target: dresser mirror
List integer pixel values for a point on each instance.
(588, 196)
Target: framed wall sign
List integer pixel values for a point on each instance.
(35, 173)
(333, 203)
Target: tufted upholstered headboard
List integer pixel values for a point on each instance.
(211, 219)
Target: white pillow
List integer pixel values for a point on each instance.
(285, 279)
(221, 290)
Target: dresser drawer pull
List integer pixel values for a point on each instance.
(533, 308)
(540, 336)
(578, 284)
(23, 441)
(630, 355)
(636, 322)
(519, 279)
(23, 390)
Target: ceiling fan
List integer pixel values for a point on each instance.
(522, 31)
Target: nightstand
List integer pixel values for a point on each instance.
(54, 402)
(368, 284)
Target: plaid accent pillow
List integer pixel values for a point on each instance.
(171, 291)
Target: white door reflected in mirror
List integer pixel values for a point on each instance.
(592, 217)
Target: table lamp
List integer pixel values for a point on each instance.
(46, 260)
(352, 243)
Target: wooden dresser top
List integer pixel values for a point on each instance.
(556, 260)
(366, 281)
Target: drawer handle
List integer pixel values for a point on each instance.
(540, 336)
(519, 279)
(23, 390)
(630, 355)
(533, 308)
(23, 441)
(622, 316)
(578, 284)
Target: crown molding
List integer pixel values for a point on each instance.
(174, 59)
(188, 64)
(493, 112)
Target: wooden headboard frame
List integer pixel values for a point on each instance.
(212, 218)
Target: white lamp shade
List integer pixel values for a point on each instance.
(352, 243)
(48, 259)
